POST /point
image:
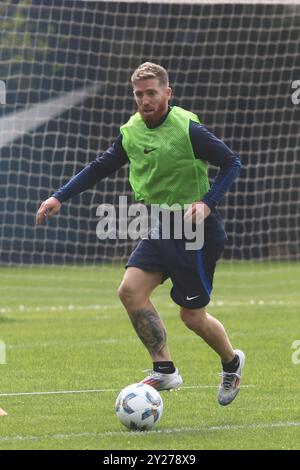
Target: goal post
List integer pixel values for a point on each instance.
(67, 67)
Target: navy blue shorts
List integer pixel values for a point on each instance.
(191, 271)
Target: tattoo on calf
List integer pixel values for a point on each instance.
(149, 328)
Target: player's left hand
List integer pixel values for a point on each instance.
(197, 212)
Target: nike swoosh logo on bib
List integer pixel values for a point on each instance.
(148, 150)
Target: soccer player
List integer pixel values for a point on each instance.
(168, 152)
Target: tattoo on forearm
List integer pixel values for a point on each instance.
(149, 328)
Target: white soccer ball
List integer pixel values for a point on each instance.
(139, 407)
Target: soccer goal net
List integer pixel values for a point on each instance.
(66, 69)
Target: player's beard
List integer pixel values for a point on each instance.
(155, 116)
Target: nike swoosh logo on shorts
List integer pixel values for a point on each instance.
(191, 298)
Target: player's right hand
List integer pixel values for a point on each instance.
(47, 209)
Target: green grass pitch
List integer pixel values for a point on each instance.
(65, 331)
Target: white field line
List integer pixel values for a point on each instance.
(56, 289)
(217, 303)
(100, 390)
(133, 434)
(59, 345)
(57, 308)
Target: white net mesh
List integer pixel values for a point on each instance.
(67, 68)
